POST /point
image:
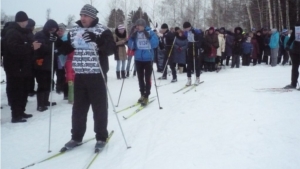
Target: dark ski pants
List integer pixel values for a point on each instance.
(89, 90)
(194, 58)
(295, 66)
(173, 69)
(43, 78)
(144, 71)
(18, 93)
(235, 61)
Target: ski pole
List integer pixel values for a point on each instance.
(155, 80)
(51, 96)
(165, 67)
(98, 62)
(120, 92)
(194, 61)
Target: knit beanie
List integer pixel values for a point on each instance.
(62, 26)
(140, 22)
(89, 10)
(164, 26)
(187, 25)
(21, 17)
(121, 27)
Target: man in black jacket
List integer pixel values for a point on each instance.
(18, 65)
(167, 43)
(43, 63)
(295, 55)
(89, 85)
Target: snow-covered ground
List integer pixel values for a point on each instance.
(225, 124)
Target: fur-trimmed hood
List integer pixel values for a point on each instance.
(124, 35)
(238, 28)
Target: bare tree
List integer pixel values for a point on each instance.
(270, 13)
(249, 15)
(297, 4)
(70, 20)
(260, 13)
(274, 14)
(287, 15)
(48, 12)
(280, 15)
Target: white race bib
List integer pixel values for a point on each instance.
(143, 42)
(297, 33)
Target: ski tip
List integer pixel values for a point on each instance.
(124, 118)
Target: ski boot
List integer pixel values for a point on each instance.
(99, 146)
(189, 82)
(70, 145)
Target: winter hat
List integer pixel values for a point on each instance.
(212, 28)
(121, 27)
(21, 17)
(187, 25)
(284, 31)
(140, 22)
(89, 10)
(62, 26)
(273, 30)
(30, 24)
(164, 26)
(176, 29)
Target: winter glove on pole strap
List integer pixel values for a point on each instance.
(89, 37)
(52, 38)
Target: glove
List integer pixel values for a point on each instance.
(52, 38)
(89, 37)
(147, 35)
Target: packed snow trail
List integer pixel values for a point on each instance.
(225, 125)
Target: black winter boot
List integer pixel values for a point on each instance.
(123, 74)
(40, 102)
(118, 75)
(127, 74)
(134, 73)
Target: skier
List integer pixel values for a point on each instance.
(295, 54)
(180, 47)
(18, 65)
(167, 43)
(89, 84)
(195, 40)
(143, 41)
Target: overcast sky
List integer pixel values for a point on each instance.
(60, 9)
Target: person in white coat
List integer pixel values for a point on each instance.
(220, 50)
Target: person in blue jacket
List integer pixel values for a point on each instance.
(274, 46)
(143, 41)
